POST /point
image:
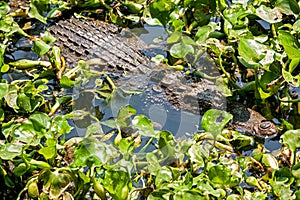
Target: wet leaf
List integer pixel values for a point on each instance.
(174, 37)
(25, 64)
(65, 82)
(144, 125)
(117, 183)
(40, 47)
(251, 51)
(196, 155)
(269, 161)
(180, 50)
(166, 144)
(33, 189)
(20, 169)
(10, 151)
(221, 175)
(270, 15)
(252, 181)
(161, 10)
(291, 139)
(124, 115)
(3, 89)
(24, 102)
(40, 121)
(34, 11)
(4, 8)
(214, 121)
(12, 96)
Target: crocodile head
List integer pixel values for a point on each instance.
(250, 121)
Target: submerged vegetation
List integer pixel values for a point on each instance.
(255, 45)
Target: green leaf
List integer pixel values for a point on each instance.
(35, 10)
(182, 195)
(26, 64)
(3, 89)
(205, 187)
(288, 7)
(40, 47)
(24, 103)
(296, 26)
(288, 77)
(60, 125)
(144, 125)
(48, 152)
(4, 9)
(92, 151)
(2, 116)
(251, 51)
(291, 139)
(166, 143)
(285, 38)
(65, 82)
(178, 25)
(174, 37)
(221, 176)
(40, 121)
(161, 10)
(180, 50)
(2, 50)
(126, 146)
(270, 15)
(124, 115)
(214, 121)
(117, 183)
(164, 175)
(110, 123)
(12, 96)
(20, 169)
(47, 37)
(252, 181)
(10, 151)
(33, 189)
(281, 180)
(55, 58)
(203, 33)
(40, 164)
(269, 161)
(296, 171)
(27, 134)
(196, 155)
(55, 183)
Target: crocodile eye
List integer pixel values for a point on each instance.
(265, 125)
(265, 128)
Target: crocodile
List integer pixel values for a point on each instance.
(118, 51)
